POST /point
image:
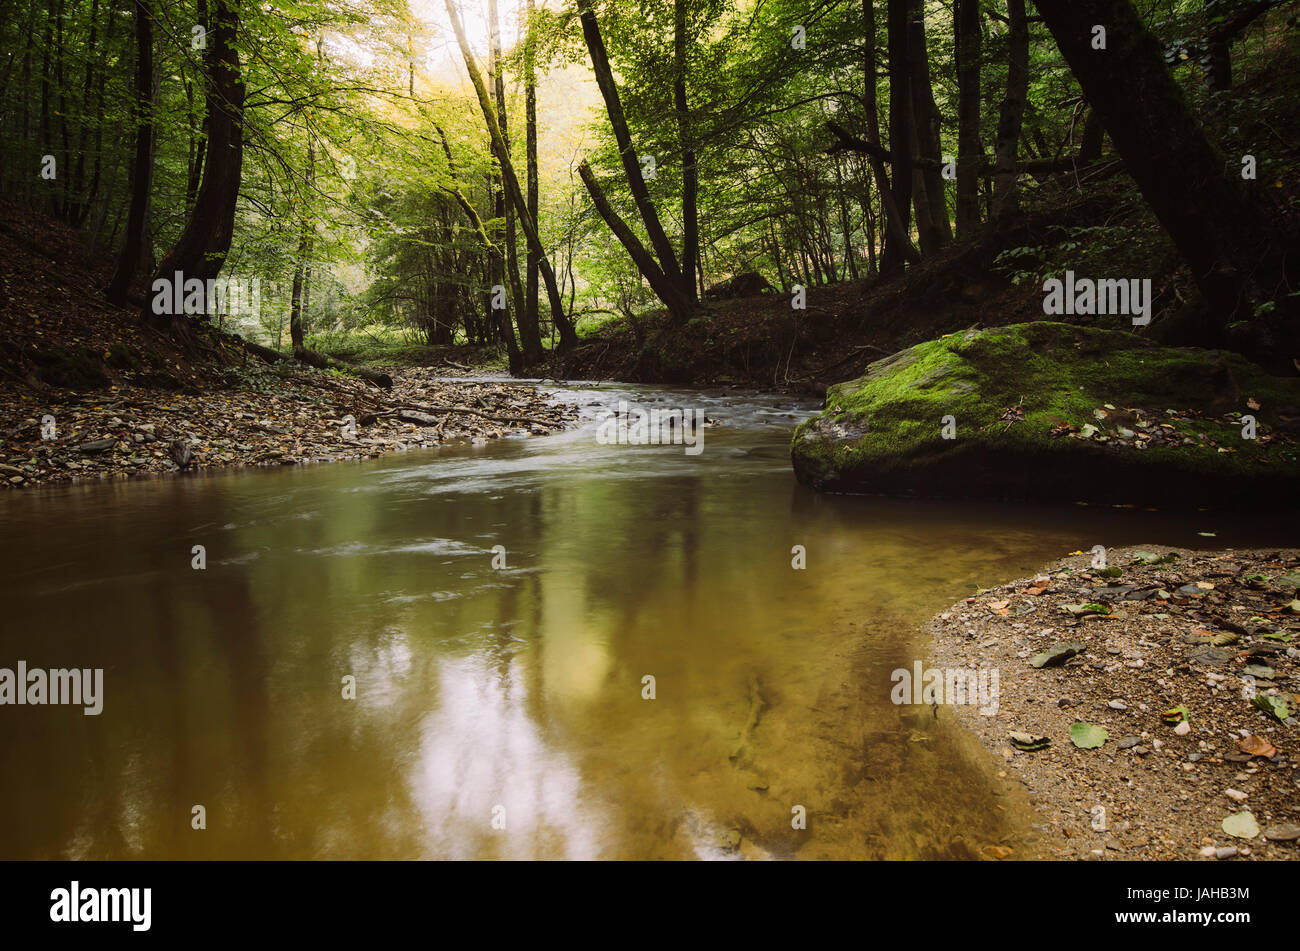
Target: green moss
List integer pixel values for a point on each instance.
(1006, 390)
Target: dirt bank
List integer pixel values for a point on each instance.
(1163, 636)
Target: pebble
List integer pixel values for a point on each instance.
(1286, 832)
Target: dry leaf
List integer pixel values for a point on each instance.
(1257, 746)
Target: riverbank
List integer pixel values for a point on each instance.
(1184, 659)
(255, 415)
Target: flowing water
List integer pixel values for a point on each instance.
(516, 696)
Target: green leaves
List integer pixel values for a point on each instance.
(1274, 706)
(1242, 825)
(1086, 736)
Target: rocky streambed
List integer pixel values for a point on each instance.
(1149, 706)
(256, 415)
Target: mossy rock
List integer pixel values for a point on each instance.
(883, 433)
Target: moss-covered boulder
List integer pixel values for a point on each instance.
(1046, 410)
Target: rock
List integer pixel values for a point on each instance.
(1285, 832)
(1128, 742)
(97, 445)
(1226, 852)
(1208, 656)
(1262, 671)
(1183, 728)
(1117, 705)
(1058, 654)
(882, 433)
(1236, 795)
(748, 284)
(181, 454)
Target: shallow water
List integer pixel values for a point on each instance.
(514, 694)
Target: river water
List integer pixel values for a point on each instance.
(502, 712)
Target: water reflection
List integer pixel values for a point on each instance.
(519, 687)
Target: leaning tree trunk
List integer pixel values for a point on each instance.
(128, 262)
(202, 248)
(568, 336)
(1193, 190)
(679, 302)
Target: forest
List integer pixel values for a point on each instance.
(519, 175)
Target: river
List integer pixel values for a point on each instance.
(503, 712)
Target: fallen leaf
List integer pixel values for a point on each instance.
(1241, 826)
(1257, 746)
(1087, 736)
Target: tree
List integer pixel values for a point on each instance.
(201, 251)
(529, 328)
(568, 337)
(1235, 256)
(128, 261)
(970, 151)
(1013, 111)
(666, 278)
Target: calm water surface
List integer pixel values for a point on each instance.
(479, 688)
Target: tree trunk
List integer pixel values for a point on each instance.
(900, 131)
(1012, 115)
(202, 248)
(512, 252)
(667, 290)
(1195, 193)
(679, 301)
(568, 337)
(529, 326)
(197, 139)
(141, 174)
(970, 154)
(895, 229)
(933, 229)
(691, 275)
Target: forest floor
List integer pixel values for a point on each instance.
(1184, 659)
(86, 391)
